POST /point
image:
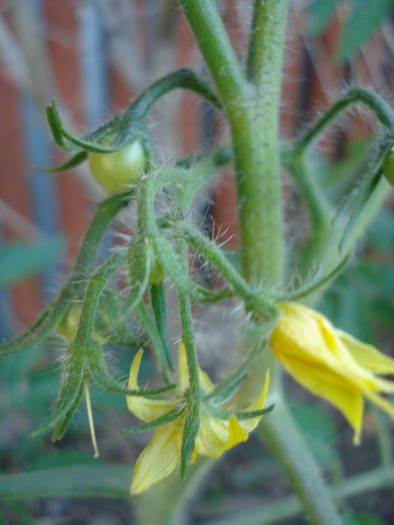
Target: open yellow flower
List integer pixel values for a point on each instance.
(163, 453)
(331, 363)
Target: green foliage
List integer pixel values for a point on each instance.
(364, 19)
(19, 260)
(361, 518)
(112, 294)
(320, 14)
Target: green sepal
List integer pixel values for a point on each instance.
(173, 267)
(125, 128)
(155, 338)
(72, 143)
(109, 383)
(169, 417)
(110, 321)
(62, 425)
(315, 284)
(55, 126)
(158, 301)
(70, 163)
(70, 385)
(139, 259)
(190, 430)
(249, 414)
(241, 415)
(197, 175)
(228, 388)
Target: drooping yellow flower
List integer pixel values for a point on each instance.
(163, 453)
(331, 363)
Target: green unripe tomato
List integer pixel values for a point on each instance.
(68, 326)
(388, 168)
(115, 171)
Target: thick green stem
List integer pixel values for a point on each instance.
(253, 112)
(266, 40)
(284, 440)
(216, 48)
(254, 119)
(284, 509)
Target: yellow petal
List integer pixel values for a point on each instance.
(142, 407)
(236, 433)
(366, 355)
(159, 459)
(299, 332)
(307, 336)
(334, 388)
(250, 424)
(193, 456)
(212, 437)
(183, 373)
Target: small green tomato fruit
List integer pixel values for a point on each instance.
(115, 171)
(388, 168)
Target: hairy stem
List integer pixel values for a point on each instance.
(285, 442)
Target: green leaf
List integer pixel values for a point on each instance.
(190, 431)
(365, 18)
(61, 457)
(361, 518)
(320, 13)
(108, 481)
(20, 260)
(160, 421)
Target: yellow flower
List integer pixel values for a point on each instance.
(163, 453)
(331, 363)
